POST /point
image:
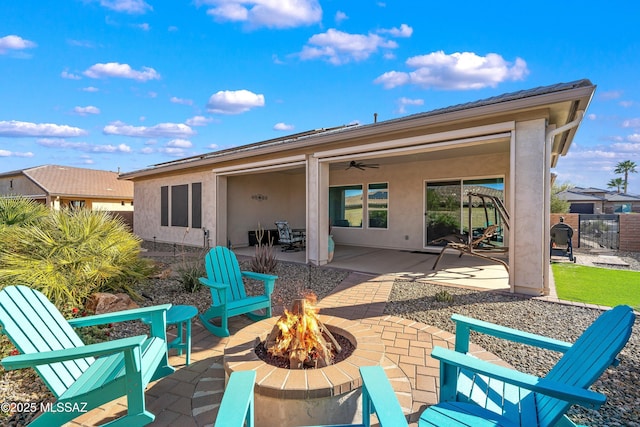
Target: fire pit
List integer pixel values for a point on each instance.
(317, 395)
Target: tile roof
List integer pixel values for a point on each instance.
(70, 181)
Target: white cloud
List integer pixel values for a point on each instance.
(90, 89)
(83, 146)
(7, 153)
(198, 121)
(266, 13)
(144, 27)
(15, 128)
(631, 123)
(115, 69)
(13, 42)
(457, 71)
(634, 138)
(182, 101)
(403, 31)
(283, 126)
(339, 47)
(161, 130)
(592, 116)
(212, 146)
(234, 102)
(180, 143)
(69, 76)
(611, 94)
(403, 102)
(89, 109)
(133, 7)
(626, 104)
(340, 16)
(173, 151)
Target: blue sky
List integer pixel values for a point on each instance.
(124, 84)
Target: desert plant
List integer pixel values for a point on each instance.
(72, 253)
(20, 210)
(444, 296)
(265, 259)
(189, 273)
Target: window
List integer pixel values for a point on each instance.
(77, 204)
(180, 205)
(196, 205)
(345, 206)
(378, 205)
(164, 206)
(447, 209)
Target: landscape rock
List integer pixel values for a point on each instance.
(103, 302)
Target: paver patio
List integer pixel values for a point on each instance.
(191, 396)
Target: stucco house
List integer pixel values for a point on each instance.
(388, 184)
(598, 201)
(60, 186)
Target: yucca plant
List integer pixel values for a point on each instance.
(70, 254)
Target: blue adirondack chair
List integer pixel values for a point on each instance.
(83, 377)
(476, 393)
(228, 295)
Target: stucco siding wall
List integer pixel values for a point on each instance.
(147, 209)
(19, 185)
(406, 196)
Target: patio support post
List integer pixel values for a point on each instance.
(219, 227)
(528, 263)
(317, 210)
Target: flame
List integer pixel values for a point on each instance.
(302, 331)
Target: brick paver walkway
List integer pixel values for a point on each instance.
(191, 396)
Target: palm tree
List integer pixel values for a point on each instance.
(626, 167)
(616, 183)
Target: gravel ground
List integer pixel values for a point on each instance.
(417, 302)
(621, 384)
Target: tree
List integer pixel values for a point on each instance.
(616, 183)
(559, 205)
(626, 167)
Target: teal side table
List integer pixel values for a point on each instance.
(181, 315)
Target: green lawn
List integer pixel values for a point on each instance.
(602, 286)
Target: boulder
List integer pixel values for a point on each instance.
(103, 302)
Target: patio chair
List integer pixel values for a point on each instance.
(561, 236)
(480, 247)
(228, 296)
(83, 377)
(479, 393)
(291, 240)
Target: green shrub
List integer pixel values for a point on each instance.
(70, 254)
(189, 272)
(19, 210)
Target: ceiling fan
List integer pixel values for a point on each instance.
(361, 165)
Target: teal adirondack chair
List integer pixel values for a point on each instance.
(228, 295)
(236, 408)
(476, 393)
(83, 377)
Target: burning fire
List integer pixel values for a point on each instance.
(300, 336)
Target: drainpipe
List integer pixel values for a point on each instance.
(550, 135)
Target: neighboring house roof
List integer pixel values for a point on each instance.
(579, 194)
(507, 103)
(77, 182)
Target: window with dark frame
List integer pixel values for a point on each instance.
(180, 205)
(164, 206)
(196, 205)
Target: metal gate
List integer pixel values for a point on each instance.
(599, 231)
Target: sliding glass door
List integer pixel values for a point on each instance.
(449, 214)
